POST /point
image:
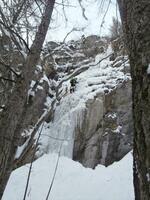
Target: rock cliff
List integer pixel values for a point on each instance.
(105, 135)
(94, 123)
(97, 117)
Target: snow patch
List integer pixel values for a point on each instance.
(148, 69)
(72, 181)
(148, 177)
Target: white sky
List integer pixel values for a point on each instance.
(76, 20)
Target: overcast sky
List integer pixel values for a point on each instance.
(60, 27)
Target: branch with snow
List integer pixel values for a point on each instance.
(32, 139)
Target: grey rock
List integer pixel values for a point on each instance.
(106, 133)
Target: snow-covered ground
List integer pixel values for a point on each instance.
(72, 181)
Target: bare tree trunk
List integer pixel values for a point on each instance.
(135, 15)
(11, 118)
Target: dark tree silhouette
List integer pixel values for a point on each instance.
(135, 16)
(12, 115)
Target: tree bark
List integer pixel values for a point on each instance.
(135, 16)
(11, 118)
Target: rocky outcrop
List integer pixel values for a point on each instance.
(91, 50)
(103, 134)
(106, 132)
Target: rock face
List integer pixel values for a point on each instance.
(106, 132)
(91, 50)
(103, 134)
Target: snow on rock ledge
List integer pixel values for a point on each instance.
(106, 132)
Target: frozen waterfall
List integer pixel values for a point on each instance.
(58, 135)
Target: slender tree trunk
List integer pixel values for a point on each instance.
(135, 15)
(11, 118)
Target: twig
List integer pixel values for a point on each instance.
(72, 30)
(7, 79)
(11, 69)
(103, 20)
(83, 10)
(64, 12)
(54, 138)
(32, 159)
(56, 167)
(31, 140)
(67, 5)
(12, 32)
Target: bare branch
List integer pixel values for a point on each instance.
(18, 12)
(32, 159)
(7, 79)
(103, 19)
(31, 141)
(83, 9)
(56, 167)
(72, 30)
(9, 67)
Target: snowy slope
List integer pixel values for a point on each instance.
(73, 181)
